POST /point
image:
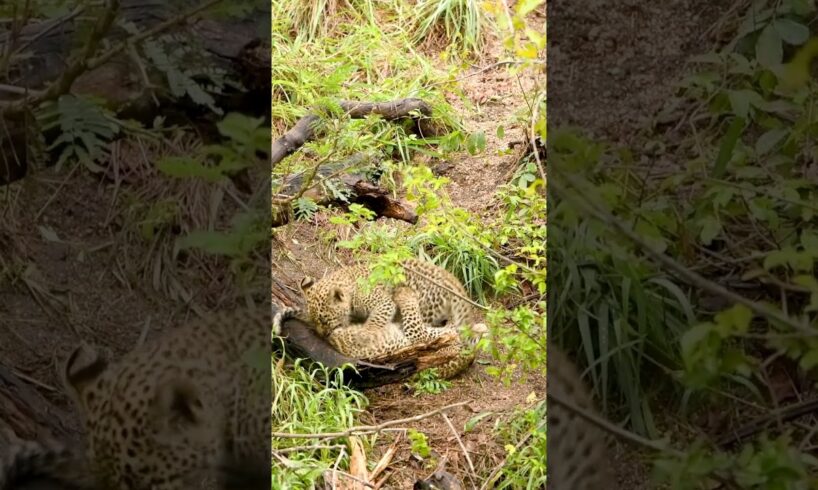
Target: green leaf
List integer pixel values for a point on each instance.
(769, 48)
(48, 233)
(809, 361)
(472, 422)
(741, 100)
(767, 141)
(791, 31)
(711, 227)
(728, 144)
(501, 132)
(809, 240)
(735, 319)
(476, 143)
(525, 7)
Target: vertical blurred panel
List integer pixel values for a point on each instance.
(674, 148)
(134, 244)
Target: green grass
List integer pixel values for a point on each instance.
(304, 405)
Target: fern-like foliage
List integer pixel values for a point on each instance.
(185, 68)
(304, 208)
(85, 126)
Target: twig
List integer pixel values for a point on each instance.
(533, 135)
(76, 68)
(299, 449)
(483, 70)
(472, 473)
(785, 414)
(33, 381)
(56, 23)
(617, 431)
(383, 463)
(158, 29)
(367, 429)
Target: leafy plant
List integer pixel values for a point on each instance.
(85, 129)
(420, 443)
(246, 139)
(428, 382)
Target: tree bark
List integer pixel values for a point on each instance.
(357, 187)
(308, 127)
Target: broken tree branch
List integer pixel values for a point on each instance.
(355, 186)
(308, 127)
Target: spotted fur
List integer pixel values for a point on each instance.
(577, 449)
(362, 322)
(184, 406)
(24, 461)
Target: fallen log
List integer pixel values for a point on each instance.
(355, 188)
(309, 127)
(299, 341)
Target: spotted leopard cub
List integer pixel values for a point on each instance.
(405, 329)
(577, 450)
(429, 301)
(193, 402)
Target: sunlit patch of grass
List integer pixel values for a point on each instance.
(304, 404)
(458, 23)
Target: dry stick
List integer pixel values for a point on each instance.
(76, 68)
(472, 473)
(352, 477)
(298, 449)
(368, 429)
(785, 414)
(483, 70)
(56, 23)
(679, 269)
(385, 459)
(533, 135)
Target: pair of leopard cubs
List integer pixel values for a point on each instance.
(364, 323)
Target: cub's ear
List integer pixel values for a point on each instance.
(83, 367)
(307, 283)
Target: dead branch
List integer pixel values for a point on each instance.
(349, 174)
(308, 127)
(752, 428)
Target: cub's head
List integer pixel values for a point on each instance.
(329, 305)
(147, 429)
